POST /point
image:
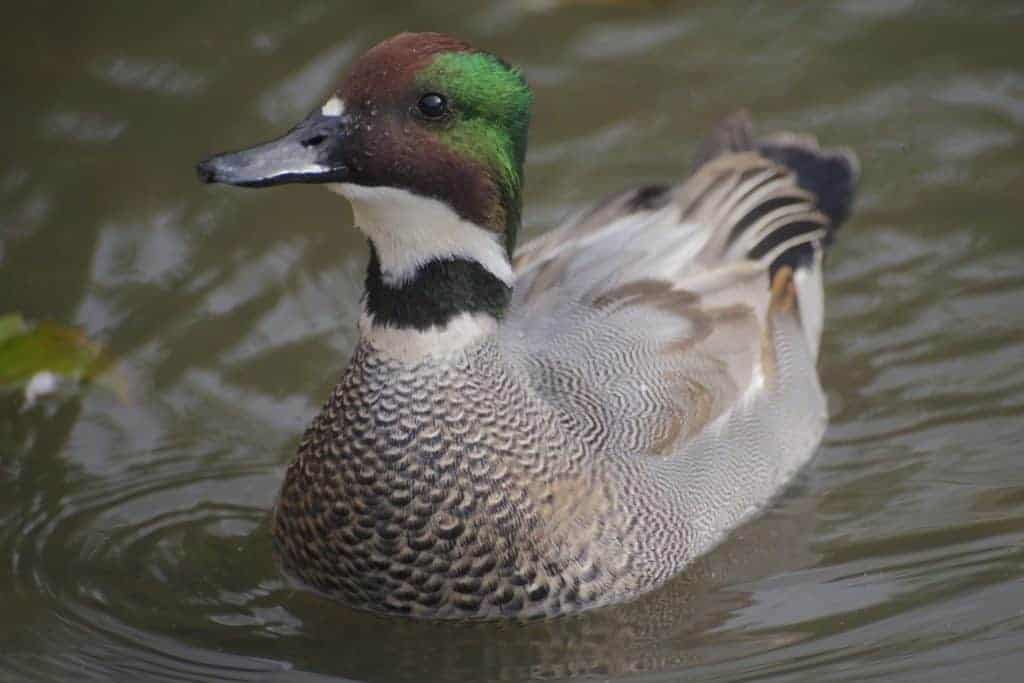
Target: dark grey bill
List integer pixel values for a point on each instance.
(312, 152)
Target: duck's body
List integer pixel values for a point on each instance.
(571, 427)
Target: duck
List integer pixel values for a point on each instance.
(532, 431)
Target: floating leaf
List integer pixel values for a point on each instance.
(11, 324)
(54, 352)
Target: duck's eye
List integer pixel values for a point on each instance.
(433, 106)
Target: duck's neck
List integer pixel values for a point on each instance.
(435, 282)
(447, 305)
(437, 292)
(409, 231)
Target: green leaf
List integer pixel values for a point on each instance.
(65, 351)
(11, 324)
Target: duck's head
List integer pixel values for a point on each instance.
(426, 135)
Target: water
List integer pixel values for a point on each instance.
(133, 534)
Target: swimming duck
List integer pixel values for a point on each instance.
(536, 431)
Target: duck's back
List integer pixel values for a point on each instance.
(654, 316)
(680, 326)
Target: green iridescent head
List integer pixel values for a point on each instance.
(489, 108)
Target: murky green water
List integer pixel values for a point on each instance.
(133, 535)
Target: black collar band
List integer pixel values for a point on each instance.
(439, 290)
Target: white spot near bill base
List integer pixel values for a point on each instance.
(333, 107)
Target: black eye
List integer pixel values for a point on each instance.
(433, 106)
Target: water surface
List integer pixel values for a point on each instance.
(133, 534)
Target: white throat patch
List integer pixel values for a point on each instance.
(409, 231)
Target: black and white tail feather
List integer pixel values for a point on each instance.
(826, 178)
(751, 205)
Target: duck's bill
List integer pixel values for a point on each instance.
(309, 153)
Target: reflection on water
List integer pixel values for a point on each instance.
(134, 535)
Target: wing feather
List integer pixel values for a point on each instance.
(648, 317)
